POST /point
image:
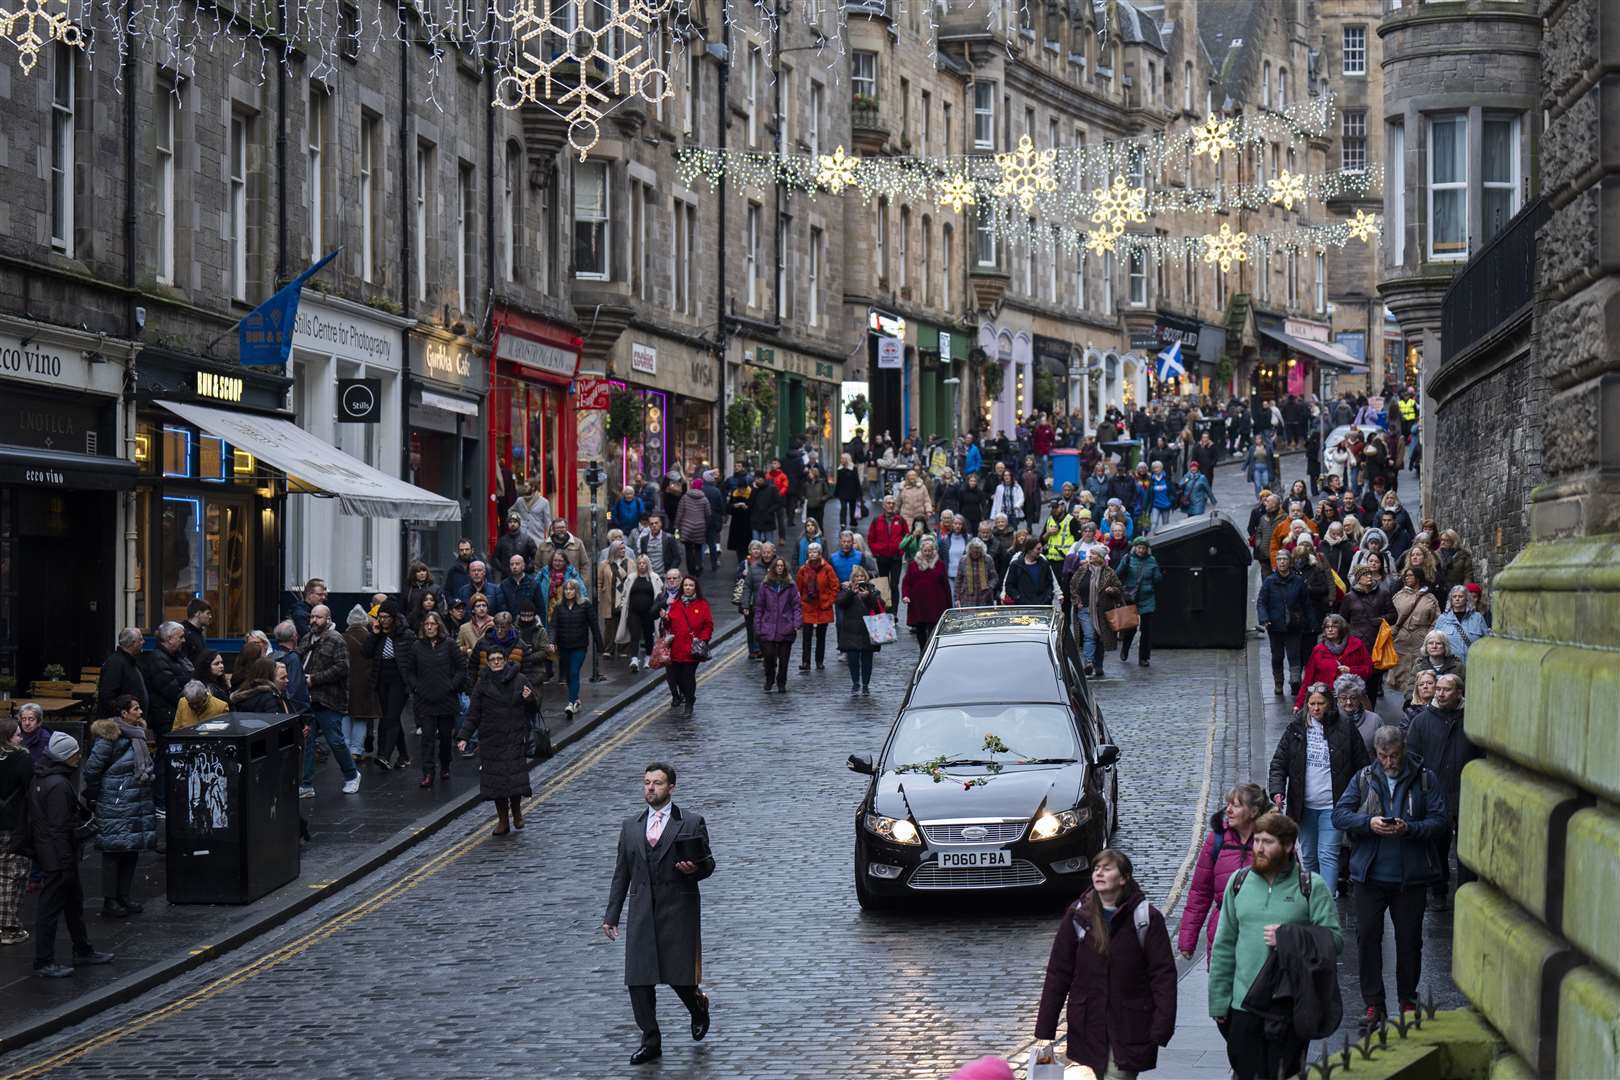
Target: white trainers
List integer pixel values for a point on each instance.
(352, 786)
(306, 792)
(635, 665)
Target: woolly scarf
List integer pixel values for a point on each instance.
(1336, 648)
(974, 576)
(140, 740)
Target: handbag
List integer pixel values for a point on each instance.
(660, 652)
(880, 628)
(1383, 651)
(737, 592)
(1123, 618)
(700, 649)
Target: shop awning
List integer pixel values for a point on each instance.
(359, 489)
(62, 468)
(1330, 355)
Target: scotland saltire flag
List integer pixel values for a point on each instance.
(1170, 365)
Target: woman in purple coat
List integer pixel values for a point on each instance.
(777, 615)
(926, 589)
(1113, 966)
(1226, 850)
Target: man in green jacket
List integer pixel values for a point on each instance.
(1275, 891)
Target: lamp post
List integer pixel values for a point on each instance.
(595, 477)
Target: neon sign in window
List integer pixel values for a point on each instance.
(177, 460)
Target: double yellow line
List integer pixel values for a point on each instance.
(373, 903)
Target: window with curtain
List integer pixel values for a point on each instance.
(591, 230)
(1499, 173)
(1448, 186)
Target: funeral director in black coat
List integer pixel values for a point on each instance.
(663, 854)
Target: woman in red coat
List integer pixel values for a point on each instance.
(818, 588)
(1338, 653)
(926, 589)
(1112, 963)
(687, 620)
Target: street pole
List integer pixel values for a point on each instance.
(595, 476)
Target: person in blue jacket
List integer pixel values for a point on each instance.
(1393, 811)
(1140, 574)
(628, 509)
(972, 457)
(1162, 494)
(1196, 494)
(1283, 609)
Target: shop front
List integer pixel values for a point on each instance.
(941, 360)
(807, 400)
(346, 392)
(532, 427)
(1297, 357)
(890, 360)
(675, 386)
(449, 381)
(64, 479)
(1052, 360)
(1010, 348)
(220, 457)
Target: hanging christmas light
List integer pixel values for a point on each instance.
(1118, 205)
(956, 191)
(40, 24)
(1363, 226)
(1225, 247)
(837, 171)
(1025, 173)
(1211, 138)
(1287, 188)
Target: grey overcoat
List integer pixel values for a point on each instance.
(663, 942)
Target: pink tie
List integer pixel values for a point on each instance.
(655, 829)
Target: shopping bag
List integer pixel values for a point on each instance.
(660, 652)
(880, 628)
(1049, 1069)
(1383, 653)
(1123, 618)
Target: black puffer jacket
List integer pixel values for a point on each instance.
(16, 773)
(499, 716)
(383, 669)
(852, 611)
(126, 808)
(1346, 754)
(121, 674)
(166, 676)
(258, 696)
(435, 673)
(53, 818)
(575, 626)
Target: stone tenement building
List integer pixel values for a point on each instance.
(1535, 947)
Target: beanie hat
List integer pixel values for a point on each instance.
(357, 616)
(61, 747)
(985, 1068)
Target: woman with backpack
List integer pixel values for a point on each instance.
(1112, 964)
(1226, 850)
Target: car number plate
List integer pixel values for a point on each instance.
(967, 860)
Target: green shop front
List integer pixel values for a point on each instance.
(941, 356)
(807, 398)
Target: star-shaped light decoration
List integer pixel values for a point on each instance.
(40, 25)
(1025, 173)
(1117, 205)
(1099, 241)
(1287, 188)
(1363, 226)
(1211, 138)
(956, 191)
(1225, 247)
(836, 171)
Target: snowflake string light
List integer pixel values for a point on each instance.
(1225, 247)
(1118, 205)
(1099, 241)
(1211, 138)
(1025, 173)
(1287, 188)
(40, 26)
(1363, 226)
(586, 62)
(956, 191)
(837, 172)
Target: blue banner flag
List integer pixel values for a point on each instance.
(264, 335)
(1170, 365)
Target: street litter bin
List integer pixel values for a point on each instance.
(1203, 601)
(233, 808)
(1065, 468)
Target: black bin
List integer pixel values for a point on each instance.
(233, 808)
(1203, 601)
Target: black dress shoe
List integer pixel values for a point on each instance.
(700, 1019)
(134, 907)
(92, 958)
(688, 710)
(647, 1051)
(54, 971)
(112, 909)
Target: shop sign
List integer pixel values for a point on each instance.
(448, 362)
(765, 357)
(329, 331)
(1308, 330)
(359, 401)
(1052, 348)
(888, 353)
(591, 393)
(210, 384)
(1169, 330)
(881, 322)
(71, 425)
(49, 365)
(643, 358)
(536, 354)
(944, 347)
(1354, 342)
(701, 370)
(1144, 339)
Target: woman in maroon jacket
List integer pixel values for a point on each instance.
(1227, 849)
(926, 589)
(1113, 965)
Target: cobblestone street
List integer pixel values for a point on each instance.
(480, 956)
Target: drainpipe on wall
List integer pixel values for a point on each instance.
(721, 335)
(407, 263)
(132, 330)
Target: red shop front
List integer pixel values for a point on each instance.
(532, 364)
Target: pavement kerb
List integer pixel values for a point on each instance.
(301, 896)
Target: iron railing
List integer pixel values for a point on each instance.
(1494, 286)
